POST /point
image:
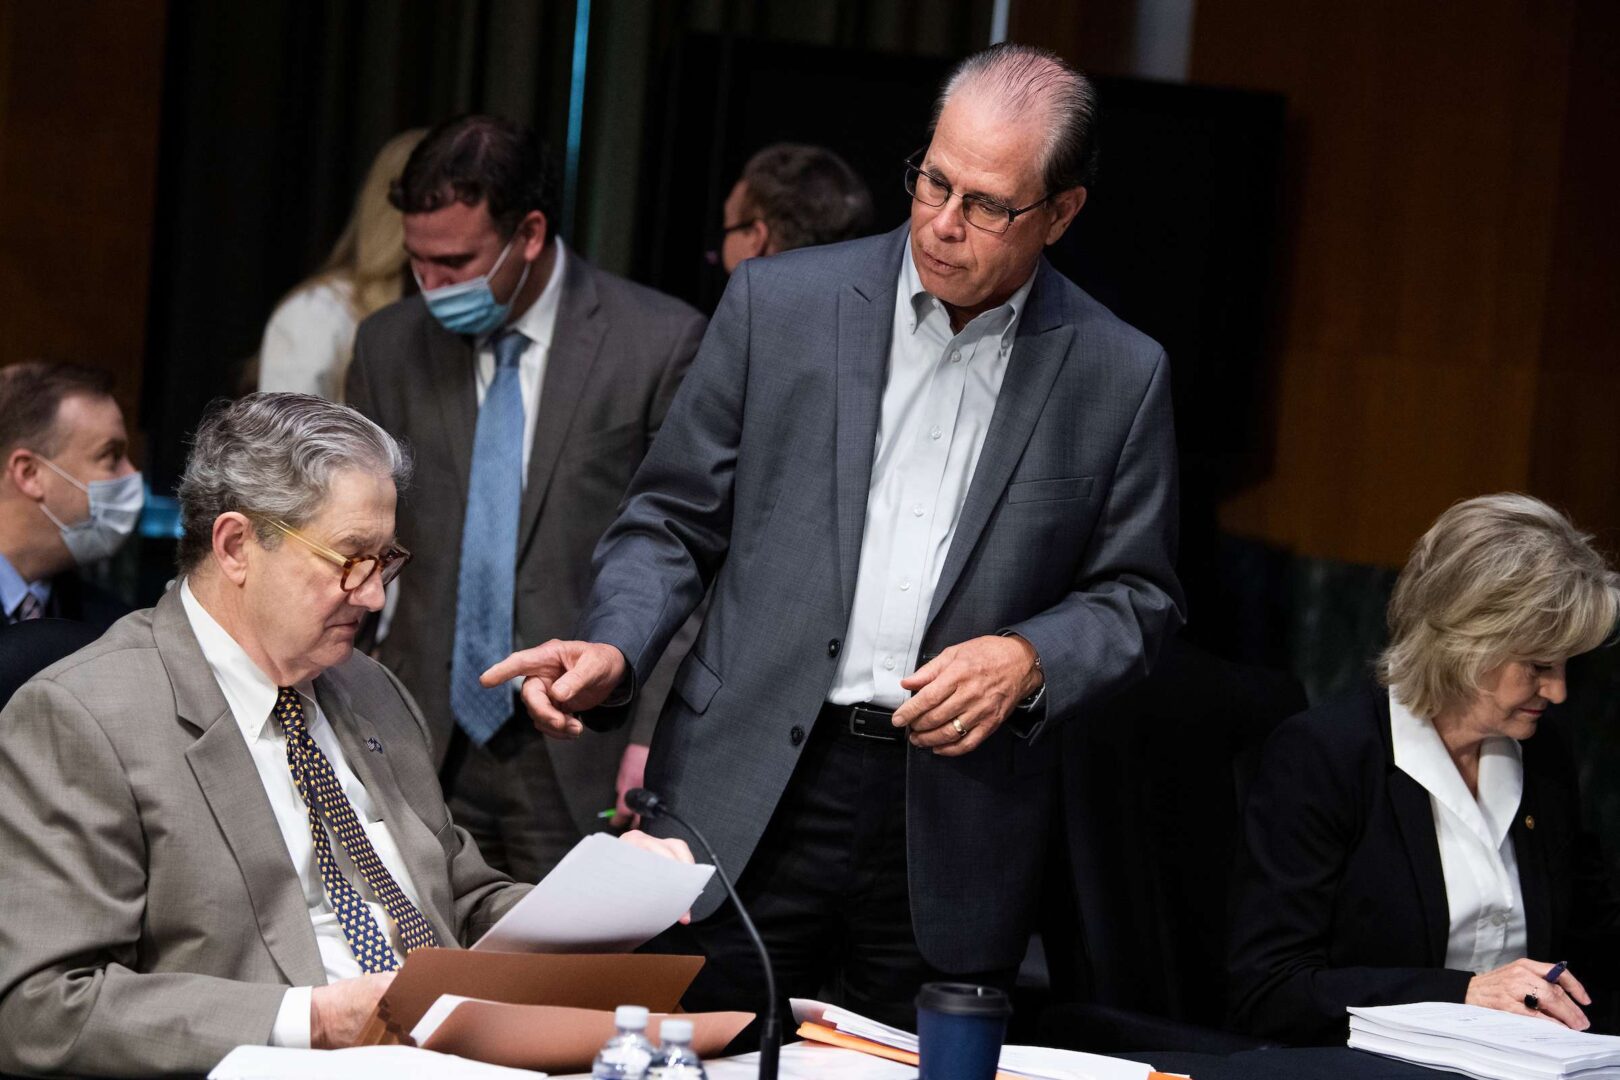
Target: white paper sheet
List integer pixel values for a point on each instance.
(1485, 1043)
(1037, 1062)
(605, 896)
(357, 1063)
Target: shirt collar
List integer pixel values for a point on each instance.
(12, 587)
(922, 303)
(1421, 754)
(539, 323)
(249, 692)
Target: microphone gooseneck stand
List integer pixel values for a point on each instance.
(650, 806)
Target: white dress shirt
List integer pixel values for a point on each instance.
(1476, 850)
(538, 324)
(309, 340)
(937, 403)
(251, 696)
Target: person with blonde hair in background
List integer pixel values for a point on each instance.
(1421, 840)
(310, 337)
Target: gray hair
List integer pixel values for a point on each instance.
(274, 456)
(1496, 578)
(1023, 78)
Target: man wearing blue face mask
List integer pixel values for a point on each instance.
(529, 384)
(69, 495)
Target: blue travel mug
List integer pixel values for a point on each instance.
(959, 1030)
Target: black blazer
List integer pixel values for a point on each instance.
(1339, 898)
(74, 598)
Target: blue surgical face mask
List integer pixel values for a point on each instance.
(115, 507)
(470, 307)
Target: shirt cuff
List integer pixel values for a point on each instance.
(292, 1019)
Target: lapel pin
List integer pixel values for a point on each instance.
(1529, 821)
(374, 744)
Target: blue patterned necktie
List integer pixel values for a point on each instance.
(324, 796)
(488, 574)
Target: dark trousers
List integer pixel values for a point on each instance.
(827, 889)
(505, 794)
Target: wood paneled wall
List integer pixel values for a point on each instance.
(80, 90)
(1446, 324)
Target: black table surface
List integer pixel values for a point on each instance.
(1303, 1063)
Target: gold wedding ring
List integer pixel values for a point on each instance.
(957, 724)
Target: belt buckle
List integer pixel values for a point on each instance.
(863, 721)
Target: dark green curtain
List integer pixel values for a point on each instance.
(273, 111)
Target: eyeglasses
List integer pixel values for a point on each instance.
(978, 211)
(712, 256)
(357, 569)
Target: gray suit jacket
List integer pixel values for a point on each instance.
(758, 486)
(617, 356)
(150, 917)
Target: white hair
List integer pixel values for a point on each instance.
(274, 456)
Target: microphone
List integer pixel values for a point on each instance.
(650, 806)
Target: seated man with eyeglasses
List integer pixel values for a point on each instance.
(222, 824)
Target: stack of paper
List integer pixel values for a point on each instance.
(821, 1022)
(1484, 1043)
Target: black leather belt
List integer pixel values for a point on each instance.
(863, 721)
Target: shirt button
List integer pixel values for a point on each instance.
(917, 511)
(956, 357)
(905, 586)
(833, 647)
(935, 433)
(796, 735)
(888, 663)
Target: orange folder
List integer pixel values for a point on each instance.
(556, 1039)
(594, 981)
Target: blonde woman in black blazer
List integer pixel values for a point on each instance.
(1412, 841)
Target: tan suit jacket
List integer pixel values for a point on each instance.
(150, 916)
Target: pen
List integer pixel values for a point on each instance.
(609, 812)
(1556, 970)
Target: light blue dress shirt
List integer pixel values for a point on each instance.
(12, 588)
(938, 400)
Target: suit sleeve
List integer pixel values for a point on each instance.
(655, 562)
(650, 697)
(1105, 634)
(72, 1000)
(1299, 830)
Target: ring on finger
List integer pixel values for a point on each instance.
(1532, 1002)
(957, 724)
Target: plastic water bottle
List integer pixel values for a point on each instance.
(626, 1055)
(675, 1059)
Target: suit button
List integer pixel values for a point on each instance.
(796, 736)
(833, 646)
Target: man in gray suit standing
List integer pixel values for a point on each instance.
(529, 383)
(931, 486)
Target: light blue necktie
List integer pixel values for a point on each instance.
(488, 575)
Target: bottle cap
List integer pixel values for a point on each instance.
(631, 1016)
(675, 1031)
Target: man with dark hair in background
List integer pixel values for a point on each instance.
(529, 384)
(790, 196)
(69, 496)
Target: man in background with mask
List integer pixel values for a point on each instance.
(69, 495)
(529, 385)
